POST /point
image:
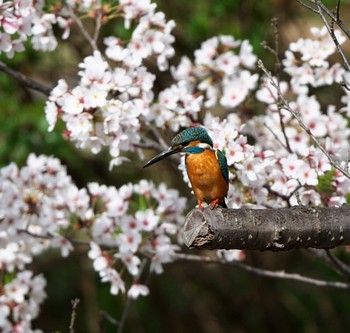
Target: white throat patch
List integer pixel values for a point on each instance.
(204, 145)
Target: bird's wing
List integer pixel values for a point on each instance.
(223, 163)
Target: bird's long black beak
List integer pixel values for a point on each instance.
(162, 155)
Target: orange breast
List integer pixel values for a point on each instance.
(206, 177)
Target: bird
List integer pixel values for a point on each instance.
(206, 167)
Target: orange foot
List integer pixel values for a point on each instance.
(200, 205)
(214, 203)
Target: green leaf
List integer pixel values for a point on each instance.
(325, 182)
(348, 198)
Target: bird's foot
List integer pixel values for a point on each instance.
(200, 206)
(214, 203)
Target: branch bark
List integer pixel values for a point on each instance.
(26, 81)
(268, 229)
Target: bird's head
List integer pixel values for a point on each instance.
(192, 140)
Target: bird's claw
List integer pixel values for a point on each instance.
(214, 203)
(200, 205)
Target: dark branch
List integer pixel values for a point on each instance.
(319, 8)
(330, 28)
(342, 267)
(263, 272)
(268, 229)
(331, 261)
(26, 81)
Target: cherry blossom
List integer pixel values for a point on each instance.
(92, 120)
(40, 200)
(268, 93)
(20, 301)
(306, 60)
(22, 20)
(306, 197)
(231, 255)
(233, 81)
(137, 290)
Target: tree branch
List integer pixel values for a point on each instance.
(98, 21)
(285, 105)
(263, 272)
(333, 16)
(330, 29)
(342, 267)
(129, 300)
(268, 229)
(82, 29)
(75, 303)
(26, 81)
(331, 261)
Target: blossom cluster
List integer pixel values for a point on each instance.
(306, 61)
(220, 74)
(23, 20)
(151, 36)
(20, 302)
(283, 166)
(105, 108)
(40, 206)
(146, 230)
(115, 89)
(37, 200)
(114, 95)
(221, 71)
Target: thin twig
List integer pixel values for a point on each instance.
(277, 138)
(308, 6)
(49, 236)
(337, 263)
(125, 313)
(82, 29)
(129, 300)
(285, 105)
(335, 17)
(157, 145)
(159, 138)
(109, 317)
(337, 20)
(277, 194)
(98, 21)
(338, 11)
(278, 67)
(263, 272)
(148, 144)
(280, 116)
(332, 34)
(26, 81)
(73, 317)
(332, 261)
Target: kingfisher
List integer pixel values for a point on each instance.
(206, 167)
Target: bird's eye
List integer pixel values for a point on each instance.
(185, 144)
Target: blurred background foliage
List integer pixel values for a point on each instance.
(189, 297)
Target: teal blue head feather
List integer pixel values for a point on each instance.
(192, 134)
